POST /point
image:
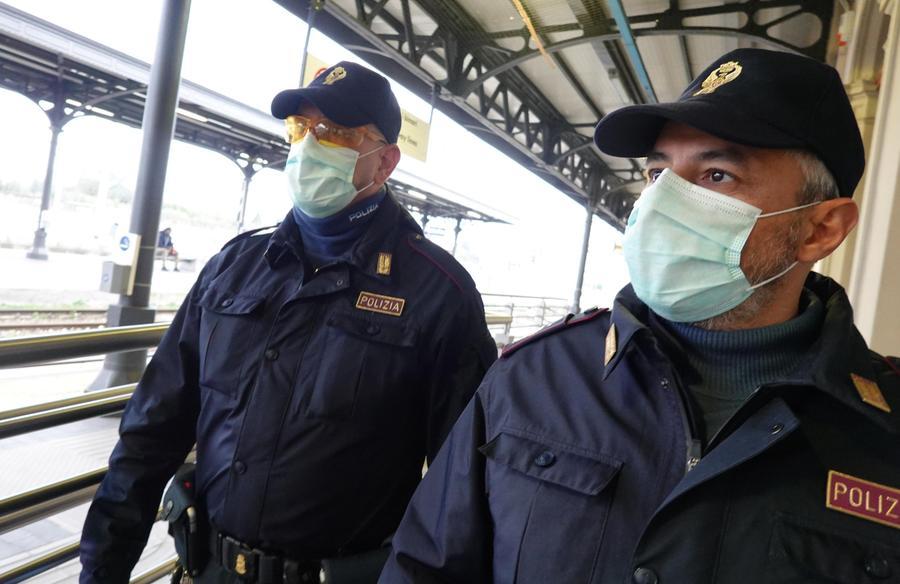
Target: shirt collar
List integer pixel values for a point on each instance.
(837, 352)
(391, 220)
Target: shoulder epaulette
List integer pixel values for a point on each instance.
(414, 240)
(251, 233)
(569, 321)
(885, 365)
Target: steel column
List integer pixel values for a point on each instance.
(314, 7)
(242, 214)
(39, 246)
(456, 231)
(159, 127)
(582, 262)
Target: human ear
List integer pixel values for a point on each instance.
(390, 157)
(828, 224)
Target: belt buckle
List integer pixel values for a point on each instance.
(237, 557)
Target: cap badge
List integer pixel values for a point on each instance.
(870, 393)
(863, 499)
(726, 73)
(336, 74)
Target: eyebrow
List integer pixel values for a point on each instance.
(733, 155)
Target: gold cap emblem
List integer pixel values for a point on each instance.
(240, 564)
(870, 393)
(336, 74)
(726, 73)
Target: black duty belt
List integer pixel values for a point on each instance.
(260, 567)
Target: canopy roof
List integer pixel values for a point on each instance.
(532, 77)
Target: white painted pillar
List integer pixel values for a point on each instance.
(859, 64)
(874, 285)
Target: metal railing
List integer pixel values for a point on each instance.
(511, 313)
(25, 508)
(17, 352)
(525, 314)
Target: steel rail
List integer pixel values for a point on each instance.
(20, 351)
(155, 574)
(72, 401)
(17, 504)
(46, 419)
(21, 326)
(38, 511)
(40, 564)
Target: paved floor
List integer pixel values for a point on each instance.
(68, 280)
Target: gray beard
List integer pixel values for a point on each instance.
(761, 264)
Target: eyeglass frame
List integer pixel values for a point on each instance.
(361, 131)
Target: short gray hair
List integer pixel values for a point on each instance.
(818, 182)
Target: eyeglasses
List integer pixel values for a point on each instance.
(327, 132)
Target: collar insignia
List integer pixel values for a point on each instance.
(384, 264)
(336, 74)
(870, 393)
(382, 304)
(726, 73)
(863, 499)
(610, 344)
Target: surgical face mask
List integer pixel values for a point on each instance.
(683, 247)
(320, 177)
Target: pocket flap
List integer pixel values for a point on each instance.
(382, 332)
(567, 467)
(227, 302)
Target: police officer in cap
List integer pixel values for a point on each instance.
(725, 422)
(315, 365)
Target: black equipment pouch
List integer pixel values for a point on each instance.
(361, 568)
(186, 524)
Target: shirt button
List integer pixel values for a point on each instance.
(227, 302)
(373, 329)
(644, 576)
(545, 459)
(239, 467)
(340, 282)
(776, 428)
(664, 382)
(878, 568)
(271, 354)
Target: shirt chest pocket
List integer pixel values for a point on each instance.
(802, 550)
(553, 526)
(363, 365)
(227, 328)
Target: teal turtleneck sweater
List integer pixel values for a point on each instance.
(722, 368)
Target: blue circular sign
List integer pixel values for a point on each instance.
(124, 243)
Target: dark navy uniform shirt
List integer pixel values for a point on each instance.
(313, 396)
(577, 461)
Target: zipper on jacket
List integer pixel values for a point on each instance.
(693, 445)
(695, 452)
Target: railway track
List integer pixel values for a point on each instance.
(56, 319)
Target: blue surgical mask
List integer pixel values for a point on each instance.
(683, 247)
(320, 177)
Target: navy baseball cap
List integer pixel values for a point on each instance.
(348, 94)
(755, 97)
